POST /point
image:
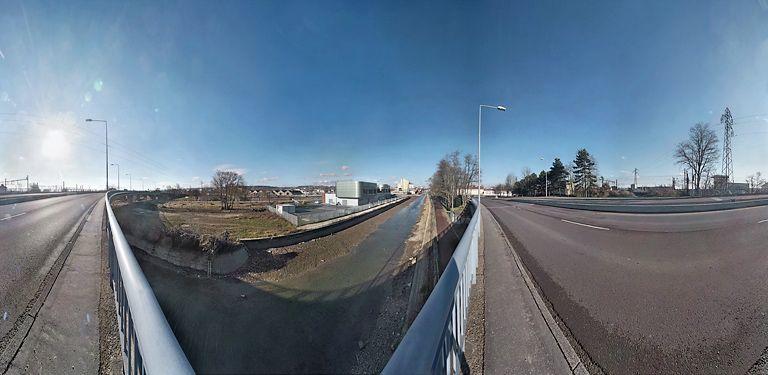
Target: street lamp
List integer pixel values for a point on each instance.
(130, 182)
(546, 180)
(106, 145)
(118, 174)
(479, 127)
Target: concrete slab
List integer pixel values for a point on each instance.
(64, 338)
(520, 335)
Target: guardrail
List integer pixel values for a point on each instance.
(435, 341)
(147, 342)
(666, 208)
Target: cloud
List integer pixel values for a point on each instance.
(265, 180)
(322, 175)
(344, 167)
(195, 178)
(347, 174)
(623, 157)
(230, 168)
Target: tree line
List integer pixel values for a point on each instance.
(581, 174)
(456, 177)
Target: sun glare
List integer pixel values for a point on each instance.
(55, 145)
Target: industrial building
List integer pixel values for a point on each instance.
(356, 193)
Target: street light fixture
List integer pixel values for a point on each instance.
(106, 145)
(479, 128)
(546, 180)
(118, 174)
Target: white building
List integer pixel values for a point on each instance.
(403, 186)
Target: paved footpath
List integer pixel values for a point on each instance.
(64, 338)
(521, 337)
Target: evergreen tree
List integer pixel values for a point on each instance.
(558, 178)
(584, 173)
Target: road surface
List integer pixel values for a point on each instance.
(651, 293)
(32, 236)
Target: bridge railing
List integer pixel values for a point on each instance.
(147, 342)
(434, 343)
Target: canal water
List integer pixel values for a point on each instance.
(311, 323)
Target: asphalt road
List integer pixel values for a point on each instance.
(32, 236)
(651, 293)
(653, 201)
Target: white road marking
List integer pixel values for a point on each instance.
(763, 221)
(584, 225)
(12, 216)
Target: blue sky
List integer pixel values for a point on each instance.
(296, 93)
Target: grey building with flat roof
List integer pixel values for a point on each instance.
(357, 193)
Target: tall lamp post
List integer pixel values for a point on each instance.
(479, 128)
(118, 174)
(546, 180)
(106, 145)
(130, 182)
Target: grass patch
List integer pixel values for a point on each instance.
(248, 220)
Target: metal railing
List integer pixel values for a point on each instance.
(147, 342)
(434, 344)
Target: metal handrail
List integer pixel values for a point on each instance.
(147, 341)
(434, 343)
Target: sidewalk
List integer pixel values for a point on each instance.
(64, 338)
(521, 337)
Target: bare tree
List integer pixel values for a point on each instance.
(509, 183)
(526, 171)
(755, 181)
(699, 153)
(228, 185)
(453, 177)
(469, 172)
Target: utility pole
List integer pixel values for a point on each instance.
(118, 174)
(479, 128)
(727, 121)
(635, 172)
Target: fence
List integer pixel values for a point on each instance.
(148, 345)
(304, 218)
(435, 341)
